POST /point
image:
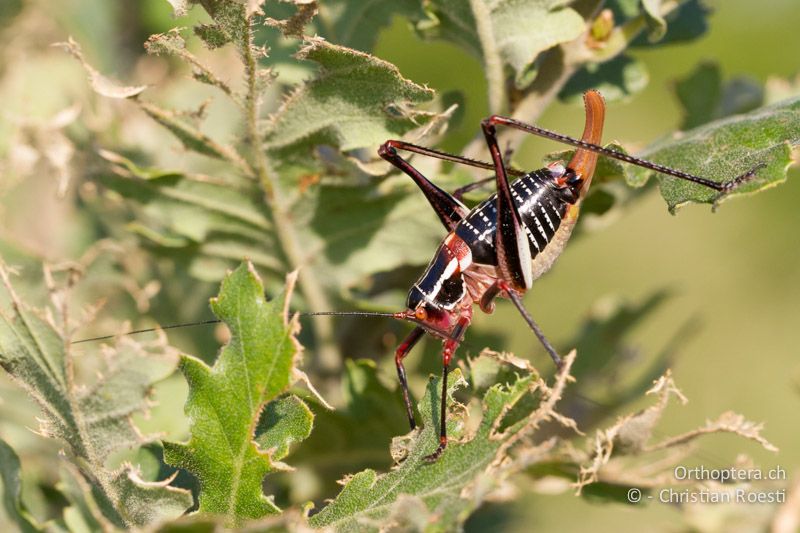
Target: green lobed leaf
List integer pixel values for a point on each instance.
(225, 401)
(724, 149)
(440, 495)
(285, 421)
(92, 419)
(11, 488)
(520, 30)
(355, 101)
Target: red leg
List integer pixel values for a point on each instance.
(449, 349)
(402, 351)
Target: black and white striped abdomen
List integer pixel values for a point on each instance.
(539, 205)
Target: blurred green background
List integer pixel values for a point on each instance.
(734, 273)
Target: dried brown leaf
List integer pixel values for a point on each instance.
(101, 84)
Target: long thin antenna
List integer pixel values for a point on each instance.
(148, 330)
(350, 313)
(217, 321)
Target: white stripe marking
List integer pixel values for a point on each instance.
(546, 216)
(448, 271)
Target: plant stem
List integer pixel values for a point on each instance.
(558, 67)
(317, 300)
(493, 62)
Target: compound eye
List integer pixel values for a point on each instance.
(421, 314)
(574, 179)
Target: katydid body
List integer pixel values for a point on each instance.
(499, 248)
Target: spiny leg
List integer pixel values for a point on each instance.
(402, 351)
(449, 348)
(511, 243)
(487, 305)
(388, 151)
(514, 297)
(723, 187)
(449, 209)
(438, 154)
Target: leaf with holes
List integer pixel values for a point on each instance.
(92, 420)
(441, 494)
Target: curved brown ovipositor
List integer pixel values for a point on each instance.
(585, 161)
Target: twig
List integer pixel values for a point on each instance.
(492, 60)
(316, 298)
